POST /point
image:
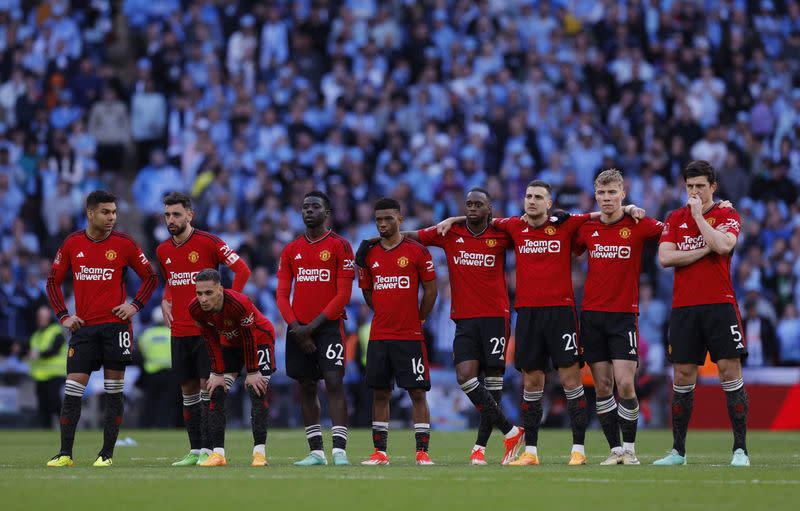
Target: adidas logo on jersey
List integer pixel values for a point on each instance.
(740, 346)
(683, 226)
(460, 240)
(632, 351)
(595, 234)
(338, 363)
(375, 264)
(525, 230)
(80, 254)
(298, 256)
(420, 378)
(126, 352)
(168, 261)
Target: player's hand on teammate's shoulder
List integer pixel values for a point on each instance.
(559, 216)
(726, 204)
(124, 311)
(72, 323)
(363, 248)
(635, 212)
(444, 226)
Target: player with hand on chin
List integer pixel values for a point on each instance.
(236, 334)
(698, 241)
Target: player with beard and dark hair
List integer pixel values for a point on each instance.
(101, 326)
(181, 257)
(320, 265)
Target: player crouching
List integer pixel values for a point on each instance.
(236, 335)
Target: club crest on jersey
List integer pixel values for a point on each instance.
(227, 323)
(624, 233)
(550, 230)
(711, 221)
(402, 262)
(325, 255)
(193, 256)
(111, 255)
(491, 243)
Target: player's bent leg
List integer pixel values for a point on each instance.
(628, 409)
(577, 408)
(337, 404)
(730, 375)
(205, 434)
(259, 419)
(380, 427)
(216, 425)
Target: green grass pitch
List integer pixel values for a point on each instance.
(142, 479)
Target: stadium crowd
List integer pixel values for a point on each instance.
(249, 105)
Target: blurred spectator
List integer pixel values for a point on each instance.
(48, 363)
(110, 126)
(762, 344)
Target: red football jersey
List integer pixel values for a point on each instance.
(98, 276)
(707, 280)
(239, 324)
(476, 264)
(394, 276)
(180, 264)
(315, 267)
(544, 260)
(615, 261)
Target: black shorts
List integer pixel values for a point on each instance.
(716, 328)
(329, 357)
(233, 358)
(481, 339)
(106, 345)
(405, 362)
(607, 336)
(546, 334)
(190, 358)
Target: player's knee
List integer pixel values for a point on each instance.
(626, 389)
(417, 395)
(333, 384)
(463, 377)
(685, 374)
(729, 369)
(308, 388)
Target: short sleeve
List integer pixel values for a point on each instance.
(578, 243)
